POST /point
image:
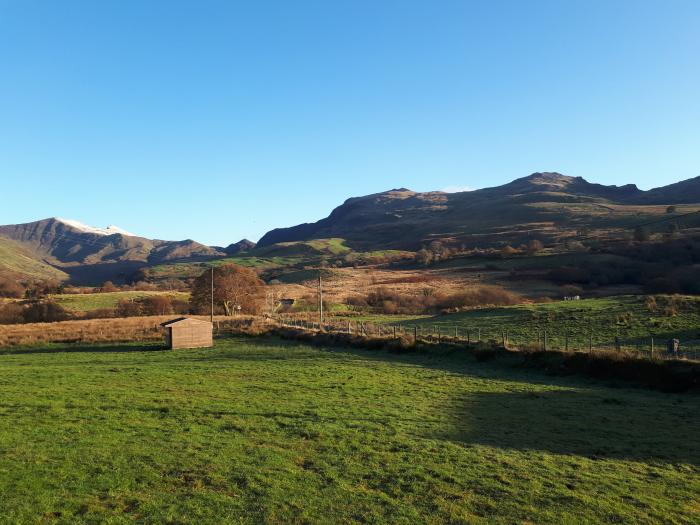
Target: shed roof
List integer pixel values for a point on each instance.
(184, 320)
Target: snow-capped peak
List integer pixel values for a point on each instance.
(109, 230)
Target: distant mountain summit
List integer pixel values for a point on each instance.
(109, 230)
(543, 205)
(92, 255)
(244, 245)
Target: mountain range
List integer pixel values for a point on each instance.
(546, 206)
(88, 254)
(541, 205)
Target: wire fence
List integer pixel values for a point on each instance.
(544, 339)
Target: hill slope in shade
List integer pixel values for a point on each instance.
(92, 255)
(543, 205)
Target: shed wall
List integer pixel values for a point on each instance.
(191, 336)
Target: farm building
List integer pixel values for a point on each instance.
(186, 332)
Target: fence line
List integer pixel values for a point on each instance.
(545, 339)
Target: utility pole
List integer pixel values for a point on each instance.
(211, 316)
(320, 300)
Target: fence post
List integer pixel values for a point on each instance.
(394, 331)
(469, 339)
(456, 337)
(415, 334)
(545, 341)
(652, 347)
(566, 341)
(590, 342)
(478, 335)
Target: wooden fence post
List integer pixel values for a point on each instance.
(415, 334)
(545, 340)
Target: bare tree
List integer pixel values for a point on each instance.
(236, 289)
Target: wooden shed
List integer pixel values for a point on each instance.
(186, 332)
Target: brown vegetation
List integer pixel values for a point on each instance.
(236, 290)
(10, 288)
(152, 305)
(387, 301)
(36, 311)
(106, 330)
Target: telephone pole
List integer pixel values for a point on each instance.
(211, 316)
(320, 301)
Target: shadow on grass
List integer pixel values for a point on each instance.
(596, 425)
(81, 348)
(572, 416)
(451, 360)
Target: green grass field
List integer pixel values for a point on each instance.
(265, 431)
(95, 301)
(626, 317)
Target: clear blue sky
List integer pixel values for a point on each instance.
(221, 120)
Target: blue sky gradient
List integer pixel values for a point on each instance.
(221, 120)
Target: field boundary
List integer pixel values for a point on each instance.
(544, 341)
(666, 374)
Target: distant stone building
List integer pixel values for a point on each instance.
(186, 332)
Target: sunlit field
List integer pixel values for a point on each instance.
(263, 430)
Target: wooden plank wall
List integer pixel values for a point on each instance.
(192, 336)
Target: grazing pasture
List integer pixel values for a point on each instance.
(268, 431)
(634, 319)
(78, 302)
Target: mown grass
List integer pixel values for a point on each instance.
(626, 317)
(265, 431)
(96, 301)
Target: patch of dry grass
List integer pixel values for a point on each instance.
(109, 330)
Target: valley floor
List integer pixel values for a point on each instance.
(267, 431)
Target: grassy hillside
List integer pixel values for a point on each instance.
(278, 259)
(96, 301)
(634, 319)
(16, 261)
(260, 431)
